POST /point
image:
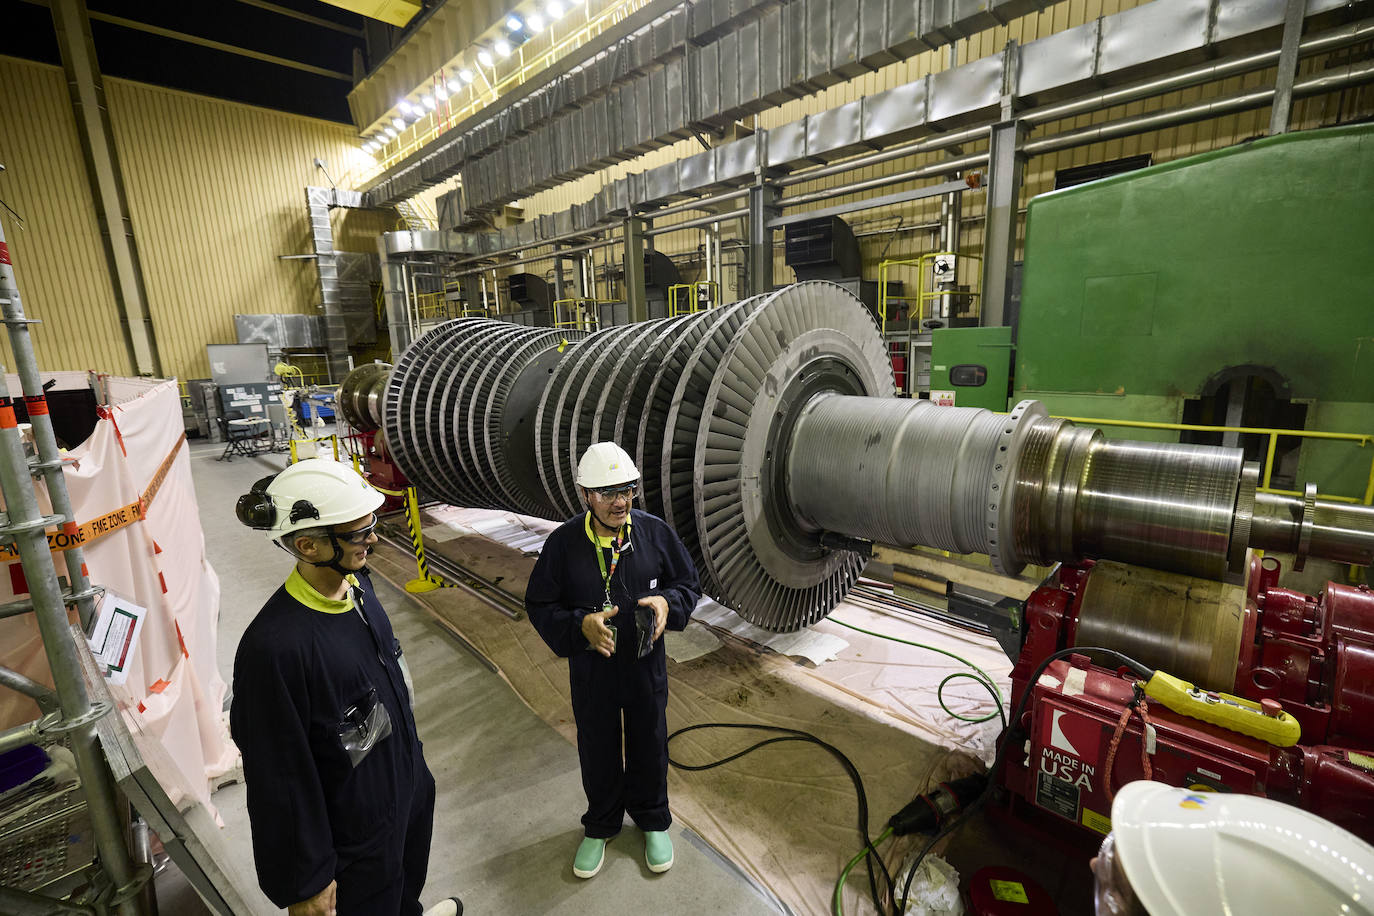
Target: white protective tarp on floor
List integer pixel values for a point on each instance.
(137, 457)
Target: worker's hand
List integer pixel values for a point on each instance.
(660, 606)
(322, 904)
(598, 634)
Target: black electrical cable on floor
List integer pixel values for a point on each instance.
(1010, 737)
(791, 734)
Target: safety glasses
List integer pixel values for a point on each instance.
(358, 537)
(611, 494)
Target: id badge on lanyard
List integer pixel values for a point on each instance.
(618, 546)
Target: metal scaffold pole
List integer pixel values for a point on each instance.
(27, 526)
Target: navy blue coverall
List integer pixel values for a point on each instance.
(565, 586)
(304, 664)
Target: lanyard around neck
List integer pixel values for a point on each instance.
(616, 547)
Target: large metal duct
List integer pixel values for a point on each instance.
(761, 426)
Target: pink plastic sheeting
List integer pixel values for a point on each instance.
(174, 692)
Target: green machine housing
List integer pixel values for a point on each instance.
(1233, 285)
(970, 367)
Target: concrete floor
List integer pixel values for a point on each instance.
(509, 793)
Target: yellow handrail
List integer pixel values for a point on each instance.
(694, 299)
(584, 316)
(925, 295)
(1360, 439)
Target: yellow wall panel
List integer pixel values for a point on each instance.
(216, 193)
(59, 259)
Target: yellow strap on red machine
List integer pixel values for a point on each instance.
(1230, 712)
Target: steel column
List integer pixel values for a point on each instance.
(1288, 67)
(87, 90)
(635, 295)
(1006, 165)
(558, 287)
(951, 205)
(764, 208)
(394, 296)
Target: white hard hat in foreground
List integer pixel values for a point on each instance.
(605, 464)
(313, 493)
(1175, 852)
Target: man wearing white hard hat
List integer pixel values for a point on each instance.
(340, 801)
(605, 586)
(1177, 852)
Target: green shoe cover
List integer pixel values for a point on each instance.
(590, 854)
(658, 850)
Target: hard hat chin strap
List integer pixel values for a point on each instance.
(335, 562)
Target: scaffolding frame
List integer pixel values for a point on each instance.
(117, 881)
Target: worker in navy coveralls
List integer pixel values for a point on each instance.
(605, 586)
(340, 801)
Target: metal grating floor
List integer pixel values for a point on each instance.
(47, 842)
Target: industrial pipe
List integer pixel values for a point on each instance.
(741, 213)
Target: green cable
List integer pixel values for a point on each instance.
(844, 875)
(982, 677)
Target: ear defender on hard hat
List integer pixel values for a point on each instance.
(257, 510)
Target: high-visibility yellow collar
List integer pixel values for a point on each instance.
(305, 593)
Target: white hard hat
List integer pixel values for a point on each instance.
(605, 464)
(313, 493)
(1186, 853)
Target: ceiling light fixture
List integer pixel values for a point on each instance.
(466, 75)
(428, 101)
(440, 92)
(513, 23)
(454, 86)
(555, 11)
(484, 58)
(535, 22)
(398, 123)
(502, 47)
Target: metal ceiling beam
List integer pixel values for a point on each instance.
(209, 43)
(303, 17)
(392, 12)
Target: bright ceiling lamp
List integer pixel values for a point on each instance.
(502, 47)
(398, 123)
(535, 22)
(513, 23)
(405, 106)
(484, 58)
(441, 92)
(455, 86)
(466, 75)
(389, 133)
(554, 10)
(428, 100)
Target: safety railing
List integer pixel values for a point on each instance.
(1267, 470)
(579, 314)
(938, 287)
(483, 90)
(939, 290)
(886, 301)
(688, 298)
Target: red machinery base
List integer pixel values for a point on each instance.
(1314, 656)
